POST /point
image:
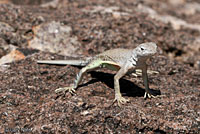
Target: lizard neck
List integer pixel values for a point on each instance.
(137, 60)
(134, 59)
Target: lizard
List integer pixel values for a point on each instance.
(119, 59)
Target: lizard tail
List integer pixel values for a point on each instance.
(64, 62)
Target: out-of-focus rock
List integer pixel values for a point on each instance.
(5, 1)
(4, 27)
(176, 2)
(174, 21)
(115, 11)
(56, 38)
(14, 55)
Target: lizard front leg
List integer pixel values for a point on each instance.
(148, 92)
(118, 96)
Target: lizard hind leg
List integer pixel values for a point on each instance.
(91, 66)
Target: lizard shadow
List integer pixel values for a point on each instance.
(127, 87)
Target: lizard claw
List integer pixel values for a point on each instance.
(152, 94)
(152, 72)
(148, 95)
(120, 100)
(138, 72)
(64, 89)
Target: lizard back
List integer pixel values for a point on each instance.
(118, 55)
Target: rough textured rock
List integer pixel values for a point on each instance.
(28, 103)
(56, 38)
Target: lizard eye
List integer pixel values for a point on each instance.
(142, 48)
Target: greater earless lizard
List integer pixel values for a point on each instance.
(120, 60)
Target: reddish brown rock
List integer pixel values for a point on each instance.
(28, 103)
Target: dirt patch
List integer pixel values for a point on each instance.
(29, 104)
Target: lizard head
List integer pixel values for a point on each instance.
(146, 49)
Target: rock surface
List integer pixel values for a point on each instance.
(56, 38)
(28, 103)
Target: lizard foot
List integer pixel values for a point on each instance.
(64, 89)
(138, 72)
(152, 93)
(120, 100)
(148, 95)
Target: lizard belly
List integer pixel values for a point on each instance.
(111, 65)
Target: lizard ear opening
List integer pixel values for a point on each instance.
(142, 48)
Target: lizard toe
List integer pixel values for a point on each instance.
(149, 95)
(64, 89)
(120, 100)
(59, 90)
